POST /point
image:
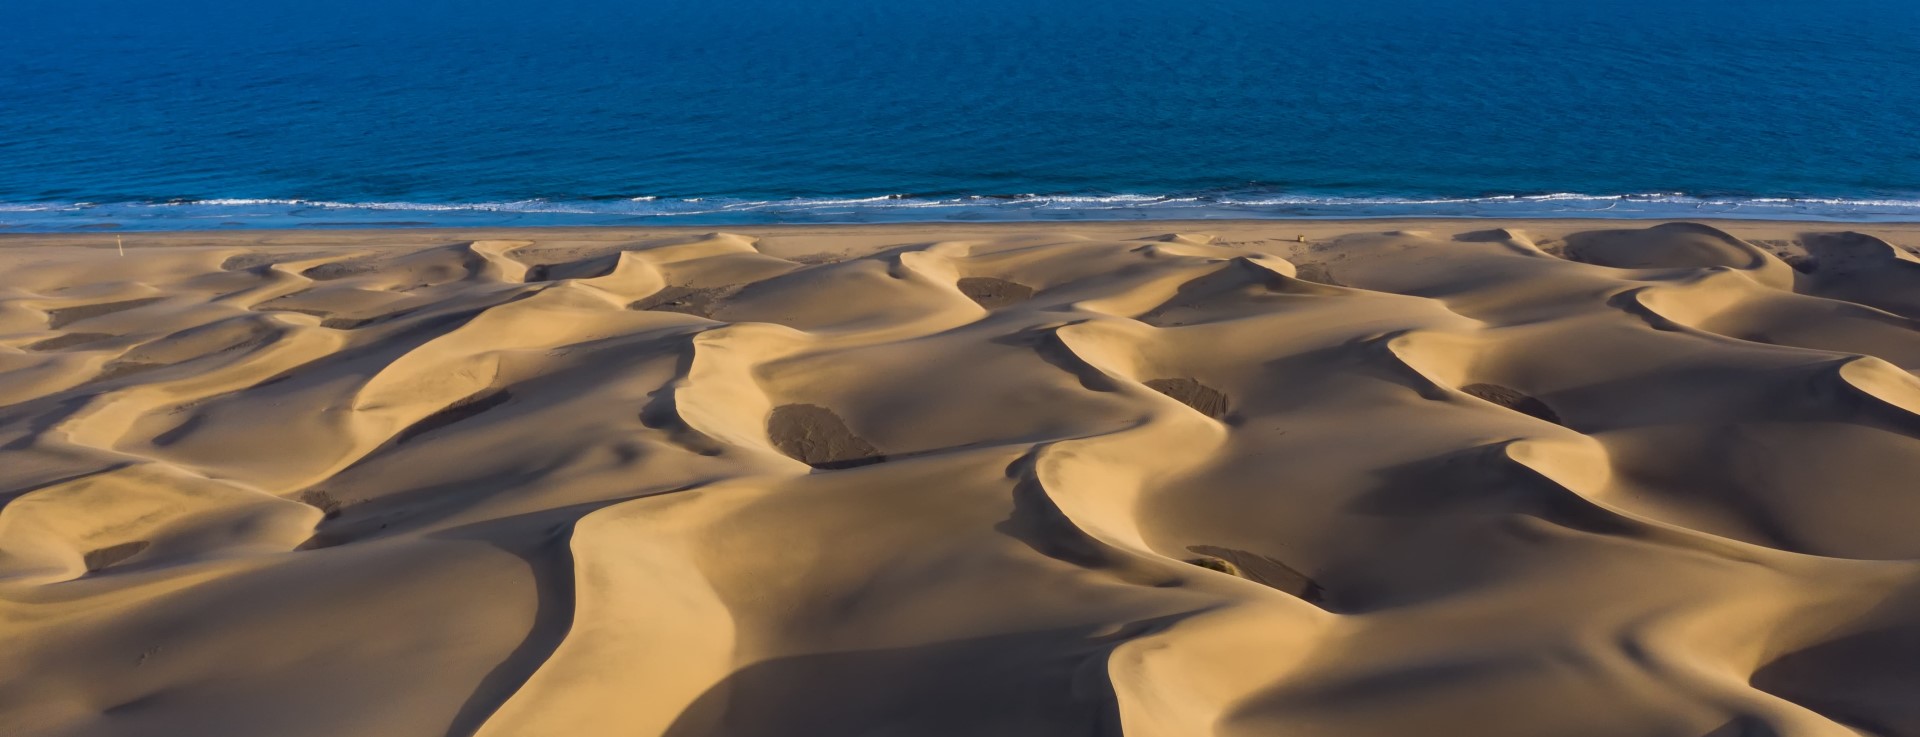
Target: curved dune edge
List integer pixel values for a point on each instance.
(1106, 479)
(626, 559)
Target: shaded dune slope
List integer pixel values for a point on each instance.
(1641, 482)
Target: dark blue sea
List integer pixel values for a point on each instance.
(274, 113)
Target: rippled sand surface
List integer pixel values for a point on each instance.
(1380, 479)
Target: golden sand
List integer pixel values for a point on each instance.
(1377, 478)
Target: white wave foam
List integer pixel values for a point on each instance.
(292, 212)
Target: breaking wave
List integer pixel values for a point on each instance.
(192, 214)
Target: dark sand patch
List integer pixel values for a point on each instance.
(453, 413)
(1257, 568)
(100, 559)
(1512, 399)
(1850, 252)
(1200, 397)
(268, 307)
(814, 435)
(322, 500)
(60, 317)
(340, 269)
(993, 294)
(347, 323)
(819, 259)
(701, 302)
(118, 369)
(577, 268)
(1491, 235)
(246, 261)
(68, 341)
(1316, 273)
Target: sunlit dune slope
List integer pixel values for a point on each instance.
(1338, 479)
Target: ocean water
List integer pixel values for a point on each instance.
(227, 113)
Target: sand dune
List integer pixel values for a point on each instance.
(1369, 479)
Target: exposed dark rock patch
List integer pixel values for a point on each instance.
(1514, 400)
(992, 293)
(98, 560)
(455, 412)
(62, 316)
(702, 302)
(814, 435)
(1200, 397)
(68, 341)
(1257, 568)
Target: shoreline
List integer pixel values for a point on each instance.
(741, 211)
(797, 237)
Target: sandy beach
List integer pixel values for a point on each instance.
(1171, 479)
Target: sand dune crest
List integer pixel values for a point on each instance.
(1300, 478)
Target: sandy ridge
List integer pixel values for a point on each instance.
(1246, 479)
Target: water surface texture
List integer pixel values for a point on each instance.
(211, 113)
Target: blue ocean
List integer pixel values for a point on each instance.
(193, 114)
